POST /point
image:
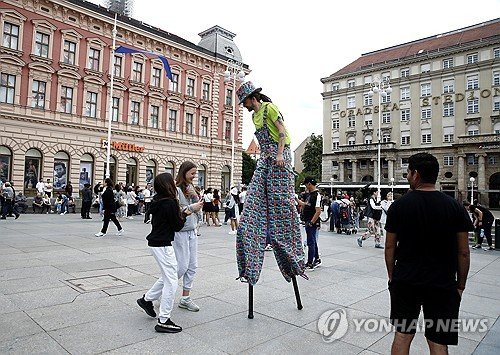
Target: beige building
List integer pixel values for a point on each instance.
(445, 100)
(56, 64)
(297, 155)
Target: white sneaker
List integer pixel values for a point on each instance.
(187, 303)
(120, 232)
(100, 234)
(232, 232)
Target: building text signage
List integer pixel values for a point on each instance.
(124, 146)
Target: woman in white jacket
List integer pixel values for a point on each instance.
(373, 222)
(385, 204)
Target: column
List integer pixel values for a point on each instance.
(354, 170)
(341, 171)
(462, 184)
(390, 170)
(481, 176)
(375, 175)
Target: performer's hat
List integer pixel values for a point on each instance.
(246, 89)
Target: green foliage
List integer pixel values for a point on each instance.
(249, 165)
(312, 157)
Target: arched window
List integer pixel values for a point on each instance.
(351, 141)
(496, 128)
(61, 170)
(131, 176)
(202, 176)
(32, 166)
(368, 139)
(86, 170)
(5, 163)
(473, 130)
(150, 171)
(170, 168)
(225, 178)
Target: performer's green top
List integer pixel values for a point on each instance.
(272, 115)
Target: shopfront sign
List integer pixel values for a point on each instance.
(122, 146)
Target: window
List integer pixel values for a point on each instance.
(447, 63)
(405, 72)
(496, 78)
(448, 109)
(189, 123)
(229, 97)
(386, 137)
(386, 76)
(7, 88)
(367, 79)
(335, 124)
(206, 91)
(496, 53)
(425, 68)
(448, 134)
(493, 160)
(496, 103)
(448, 86)
(66, 99)
(91, 104)
(405, 138)
(386, 98)
(351, 101)
(172, 120)
(190, 87)
(425, 113)
(137, 72)
(425, 89)
(426, 137)
(404, 162)
(156, 77)
(38, 94)
(335, 105)
(135, 110)
(386, 117)
(472, 82)
(155, 113)
(448, 160)
(115, 109)
(473, 105)
(351, 84)
(204, 126)
(368, 139)
(351, 141)
(227, 133)
(472, 159)
(405, 93)
(473, 130)
(10, 36)
(42, 44)
(335, 145)
(351, 121)
(94, 58)
(405, 115)
(118, 66)
(367, 100)
(472, 58)
(69, 55)
(335, 86)
(174, 83)
(368, 120)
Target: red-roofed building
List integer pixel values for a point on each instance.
(445, 100)
(253, 149)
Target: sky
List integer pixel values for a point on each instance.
(290, 45)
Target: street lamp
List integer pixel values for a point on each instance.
(331, 186)
(472, 189)
(234, 71)
(382, 87)
(392, 186)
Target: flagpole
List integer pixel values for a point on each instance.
(110, 112)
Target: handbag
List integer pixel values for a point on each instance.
(372, 213)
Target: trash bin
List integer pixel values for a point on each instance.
(497, 234)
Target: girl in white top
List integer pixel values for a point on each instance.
(385, 204)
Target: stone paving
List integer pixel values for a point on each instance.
(62, 290)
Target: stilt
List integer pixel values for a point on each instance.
(297, 294)
(250, 301)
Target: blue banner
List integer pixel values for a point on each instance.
(164, 60)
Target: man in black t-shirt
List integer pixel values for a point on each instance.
(311, 210)
(427, 258)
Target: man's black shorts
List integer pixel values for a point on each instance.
(440, 307)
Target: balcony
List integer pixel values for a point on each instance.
(367, 147)
(480, 138)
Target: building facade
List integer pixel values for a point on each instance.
(56, 65)
(445, 100)
(298, 166)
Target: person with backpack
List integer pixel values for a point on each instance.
(373, 211)
(8, 206)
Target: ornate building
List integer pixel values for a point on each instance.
(445, 100)
(55, 67)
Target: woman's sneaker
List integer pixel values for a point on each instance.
(187, 303)
(167, 327)
(147, 306)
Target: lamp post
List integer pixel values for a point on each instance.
(392, 185)
(110, 103)
(382, 87)
(331, 186)
(472, 189)
(234, 71)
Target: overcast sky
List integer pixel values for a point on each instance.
(291, 45)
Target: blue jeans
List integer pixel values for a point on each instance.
(312, 244)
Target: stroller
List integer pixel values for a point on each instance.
(346, 219)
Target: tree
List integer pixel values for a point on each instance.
(248, 168)
(312, 157)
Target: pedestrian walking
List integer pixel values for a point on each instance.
(427, 257)
(186, 240)
(269, 202)
(374, 213)
(483, 222)
(86, 201)
(8, 204)
(109, 209)
(167, 219)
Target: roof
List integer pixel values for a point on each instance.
(253, 148)
(439, 42)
